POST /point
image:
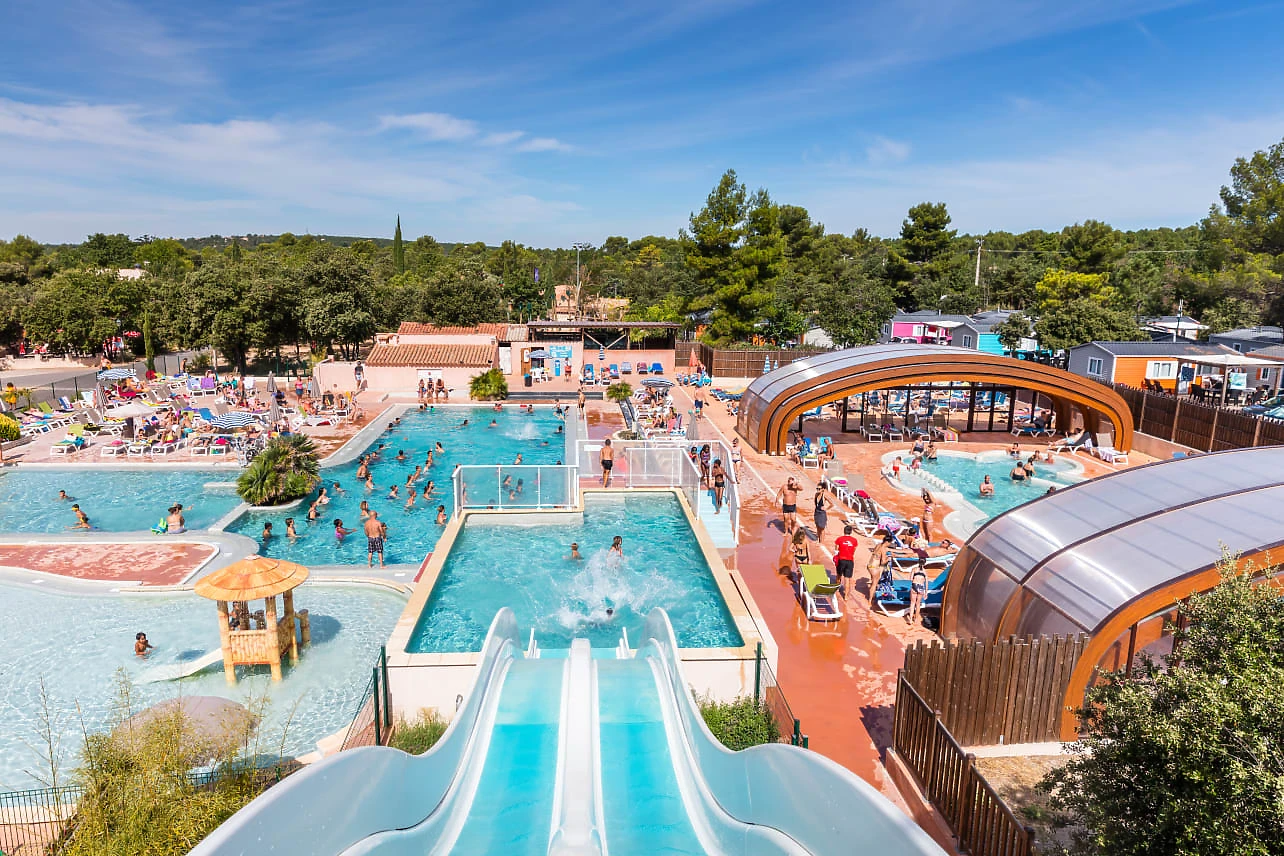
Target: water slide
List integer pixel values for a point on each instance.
(580, 755)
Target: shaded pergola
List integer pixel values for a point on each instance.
(773, 402)
(257, 638)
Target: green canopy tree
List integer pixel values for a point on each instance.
(398, 249)
(1186, 758)
(1254, 200)
(337, 303)
(1058, 287)
(1013, 330)
(1081, 320)
(925, 234)
(216, 311)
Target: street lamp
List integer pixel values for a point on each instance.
(579, 246)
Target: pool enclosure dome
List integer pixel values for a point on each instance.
(1111, 557)
(773, 402)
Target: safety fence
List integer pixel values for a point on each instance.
(517, 487)
(1009, 691)
(42, 820)
(767, 693)
(1205, 427)
(984, 824)
(372, 723)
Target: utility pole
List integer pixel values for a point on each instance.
(1177, 328)
(578, 245)
(976, 282)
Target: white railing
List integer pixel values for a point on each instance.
(515, 487)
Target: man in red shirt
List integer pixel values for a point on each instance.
(845, 559)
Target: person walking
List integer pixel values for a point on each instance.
(719, 484)
(821, 515)
(877, 559)
(787, 496)
(845, 559)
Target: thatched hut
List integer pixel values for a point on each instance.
(257, 638)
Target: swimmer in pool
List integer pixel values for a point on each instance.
(267, 532)
(439, 449)
(617, 546)
(82, 521)
(401, 455)
(441, 515)
(141, 646)
(575, 552)
(339, 532)
(289, 529)
(493, 424)
(410, 499)
(62, 497)
(174, 522)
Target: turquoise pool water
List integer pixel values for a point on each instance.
(134, 500)
(79, 665)
(528, 568)
(966, 473)
(116, 501)
(412, 532)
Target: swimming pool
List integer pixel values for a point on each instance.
(963, 473)
(528, 568)
(134, 500)
(115, 501)
(79, 664)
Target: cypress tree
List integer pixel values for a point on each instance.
(398, 249)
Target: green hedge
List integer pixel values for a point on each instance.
(739, 724)
(9, 429)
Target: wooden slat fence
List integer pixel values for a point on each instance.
(984, 824)
(722, 362)
(1011, 691)
(1201, 426)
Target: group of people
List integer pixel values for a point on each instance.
(432, 391)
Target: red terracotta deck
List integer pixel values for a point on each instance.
(839, 678)
(159, 564)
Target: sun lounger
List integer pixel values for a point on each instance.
(818, 596)
(893, 598)
(642, 368)
(894, 433)
(114, 448)
(74, 441)
(1111, 455)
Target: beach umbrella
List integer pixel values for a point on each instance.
(235, 419)
(212, 724)
(271, 384)
(539, 355)
(274, 410)
(658, 382)
(134, 408)
(116, 374)
(315, 387)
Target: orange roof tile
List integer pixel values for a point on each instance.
(432, 356)
(414, 328)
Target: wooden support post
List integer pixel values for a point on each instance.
(273, 646)
(225, 642)
(288, 601)
(1212, 433)
(1172, 435)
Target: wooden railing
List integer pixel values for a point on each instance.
(1206, 427)
(983, 823)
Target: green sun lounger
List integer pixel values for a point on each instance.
(818, 596)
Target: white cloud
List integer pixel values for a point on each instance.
(544, 144)
(502, 138)
(885, 151)
(433, 126)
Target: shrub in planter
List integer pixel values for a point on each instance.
(286, 470)
(739, 724)
(490, 385)
(421, 735)
(9, 429)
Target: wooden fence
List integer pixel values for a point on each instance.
(1011, 691)
(983, 823)
(1205, 427)
(720, 362)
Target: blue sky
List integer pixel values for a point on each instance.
(552, 123)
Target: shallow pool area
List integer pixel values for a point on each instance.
(963, 473)
(467, 437)
(497, 562)
(115, 500)
(78, 643)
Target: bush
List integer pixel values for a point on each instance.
(286, 470)
(490, 385)
(739, 724)
(421, 735)
(9, 430)
(138, 794)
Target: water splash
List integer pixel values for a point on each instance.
(608, 581)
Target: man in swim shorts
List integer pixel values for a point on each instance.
(376, 531)
(788, 499)
(82, 520)
(607, 459)
(845, 559)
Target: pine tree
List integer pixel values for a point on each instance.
(398, 250)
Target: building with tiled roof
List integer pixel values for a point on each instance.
(431, 356)
(415, 328)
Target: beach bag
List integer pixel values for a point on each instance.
(885, 590)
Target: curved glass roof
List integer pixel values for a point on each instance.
(1069, 561)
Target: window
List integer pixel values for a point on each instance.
(1094, 366)
(918, 331)
(1161, 370)
(1235, 345)
(967, 341)
(1264, 374)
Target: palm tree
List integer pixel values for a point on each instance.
(490, 385)
(286, 470)
(619, 392)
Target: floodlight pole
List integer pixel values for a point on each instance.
(578, 245)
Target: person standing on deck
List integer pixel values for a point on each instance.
(787, 496)
(607, 459)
